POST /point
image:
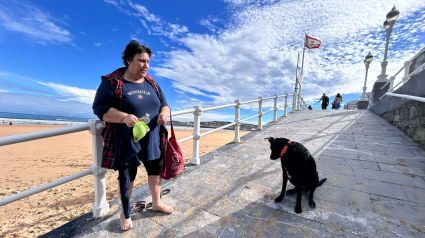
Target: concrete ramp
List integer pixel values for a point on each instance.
(375, 186)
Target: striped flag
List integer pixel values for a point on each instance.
(311, 43)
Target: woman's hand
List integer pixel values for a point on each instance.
(162, 118)
(130, 120)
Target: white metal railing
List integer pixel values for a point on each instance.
(95, 127)
(406, 76)
(421, 99)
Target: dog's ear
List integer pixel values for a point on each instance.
(271, 139)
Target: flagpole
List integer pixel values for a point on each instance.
(302, 69)
(294, 98)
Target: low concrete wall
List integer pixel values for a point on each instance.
(407, 115)
(409, 118)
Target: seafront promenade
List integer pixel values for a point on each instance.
(375, 186)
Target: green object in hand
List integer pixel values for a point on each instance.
(139, 130)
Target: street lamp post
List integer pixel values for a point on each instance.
(364, 102)
(382, 78)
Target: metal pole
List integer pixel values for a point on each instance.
(237, 121)
(275, 108)
(363, 97)
(286, 105)
(100, 206)
(390, 89)
(296, 81)
(383, 77)
(302, 70)
(299, 99)
(406, 71)
(43, 187)
(260, 113)
(196, 134)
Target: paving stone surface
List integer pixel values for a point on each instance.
(375, 186)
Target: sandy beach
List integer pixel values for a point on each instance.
(30, 164)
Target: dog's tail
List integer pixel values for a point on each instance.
(322, 182)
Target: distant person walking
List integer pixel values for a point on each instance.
(325, 101)
(10, 123)
(337, 102)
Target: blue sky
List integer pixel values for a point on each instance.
(208, 53)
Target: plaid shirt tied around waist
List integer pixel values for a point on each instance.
(115, 80)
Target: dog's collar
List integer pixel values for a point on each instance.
(285, 148)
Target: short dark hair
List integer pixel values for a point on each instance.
(132, 49)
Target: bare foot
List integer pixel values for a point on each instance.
(162, 208)
(126, 224)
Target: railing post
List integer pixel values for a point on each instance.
(275, 108)
(196, 134)
(286, 105)
(294, 98)
(299, 101)
(237, 121)
(390, 88)
(260, 113)
(406, 71)
(100, 206)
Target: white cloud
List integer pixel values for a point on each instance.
(98, 44)
(34, 23)
(3, 91)
(256, 53)
(144, 12)
(208, 24)
(153, 23)
(36, 104)
(73, 93)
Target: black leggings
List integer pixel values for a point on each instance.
(127, 175)
(153, 167)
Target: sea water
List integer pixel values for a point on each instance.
(23, 118)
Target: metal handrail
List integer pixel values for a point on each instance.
(185, 139)
(406, 77)
(42, 134)
(182, 112)
(43, 187)
(268, 111)
(217, 129)
(421, 99)
(246, 119)
(218, 107)
(394, 78)
(419, 69)
(256, 100)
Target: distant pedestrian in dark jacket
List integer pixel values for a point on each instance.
(325, 101)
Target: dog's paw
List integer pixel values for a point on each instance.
(278, 199)
(312, 203)
(298, 209)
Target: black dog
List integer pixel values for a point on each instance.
(300, 165)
